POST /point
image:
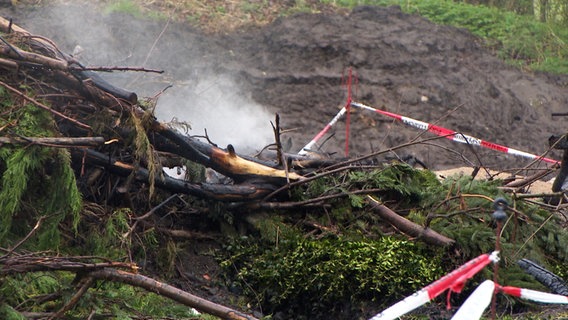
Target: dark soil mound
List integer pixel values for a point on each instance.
(296, 65)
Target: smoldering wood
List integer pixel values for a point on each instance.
(253, 178)
(220, 192)
(225, 161)
(104, 85)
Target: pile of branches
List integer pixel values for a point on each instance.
(109, 132)
(80, 98)
(109, 129)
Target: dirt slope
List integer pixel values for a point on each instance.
(296, 65)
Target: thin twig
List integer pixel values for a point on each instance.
(87, 283)
(345, 165)
(115, 68)
(282, 205)
(34, 229)
(148, 214)
(532, 236)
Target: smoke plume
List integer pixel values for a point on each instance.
(205, 99)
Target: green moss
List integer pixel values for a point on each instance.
(347, 260)
(313, 276)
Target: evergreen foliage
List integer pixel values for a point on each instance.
(35, 181)
(530, 232)
(352, 258)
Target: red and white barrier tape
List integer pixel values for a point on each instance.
(453, 135)
(454, 281)
(311, 144)
(534, 295)
(477, 302)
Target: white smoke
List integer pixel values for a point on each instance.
(218, 105)
(214, 102)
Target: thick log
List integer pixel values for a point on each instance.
(408, 227)
(99, 82)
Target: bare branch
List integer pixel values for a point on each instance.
(170, 292)
(406, 226)
(59, 142)
(86, 284)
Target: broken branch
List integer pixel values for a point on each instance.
(408, 227)
(170, 292)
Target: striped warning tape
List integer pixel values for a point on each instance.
(453, 135)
